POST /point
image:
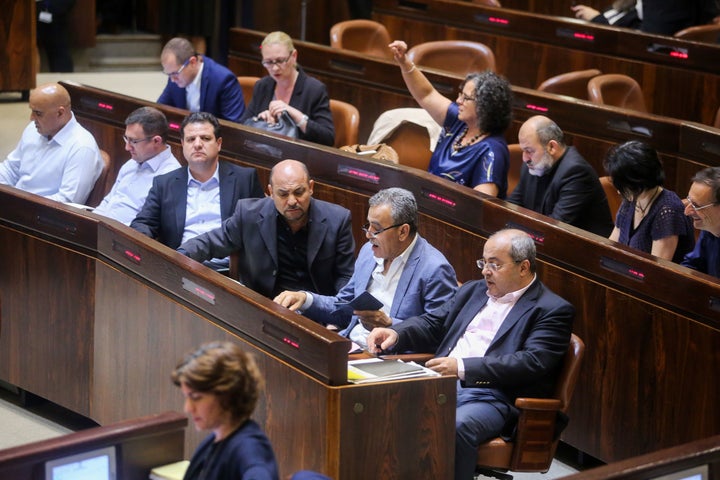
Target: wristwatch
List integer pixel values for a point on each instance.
(303, 121)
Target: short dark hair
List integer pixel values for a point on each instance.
(222, 369)
(180, 47)
(200, 117)
(493, 101)
(711, 177)
(634, 167)
(403, 207)
(152, 121)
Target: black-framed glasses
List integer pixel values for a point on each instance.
(697, 208)
(464, 98)
(366, 228)
(492, 266)
(135, 141)
(179, 70)
(279, 62)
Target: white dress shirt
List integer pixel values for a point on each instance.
(192, 91)
(133, 183)
(203, 210)
(63, 168)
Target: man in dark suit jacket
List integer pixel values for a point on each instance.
(504, 337)
(399, 267)
(197, 83)
(207, 188)
(557, 181)
(288, 241)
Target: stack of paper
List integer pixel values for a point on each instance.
(380, 370)
(172, 471)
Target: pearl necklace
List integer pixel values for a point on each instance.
(458, 145)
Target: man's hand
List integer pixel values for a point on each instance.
(443, 365)
(381, 339)
(291, 300)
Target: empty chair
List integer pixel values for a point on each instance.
(535, 442)
(573, 84)
(617, 90)
(103, 184)
(613, 196)
(456, 56)
(515, 166)
(364, 36)
(346, 121)
(700, 33)
(247, 84)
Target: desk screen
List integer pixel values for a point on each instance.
(99, 464)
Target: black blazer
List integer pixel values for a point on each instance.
(571, 192)
(162, 217)
(252, 232)
(309, 96)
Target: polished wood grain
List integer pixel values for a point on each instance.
(141, 444)
(18, 53)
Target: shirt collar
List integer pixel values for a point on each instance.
(65, 132)
(195, 84)
(512, 297)
(215, 176)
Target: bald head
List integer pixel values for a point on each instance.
(50, 108)
(291, 189)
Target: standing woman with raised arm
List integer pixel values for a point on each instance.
(472, 149)
(221, 385)
(288, 88)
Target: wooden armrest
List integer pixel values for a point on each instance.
(538, 403)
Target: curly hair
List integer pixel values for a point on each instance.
(222, 369)
(493, 101)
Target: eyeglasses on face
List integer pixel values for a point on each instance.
(697, 208)
(135, 141)
(182, 67)
(462, 98)
(279, 62)
(492, 266)
(374, 234)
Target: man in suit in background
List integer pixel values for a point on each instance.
(287, 241)
(145, 138)
(557, 181)
(190, 201)
(703, 206)
(504, 337)
(397, 266)
(197, 83)
(56, 157)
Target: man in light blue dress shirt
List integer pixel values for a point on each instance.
(146, 139)
(56, 157)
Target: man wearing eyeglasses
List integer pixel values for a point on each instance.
(504, 337)
(56, 157)
(288, 240)
(397, 266)
(703, 206)
(146, 140)
(199, 84)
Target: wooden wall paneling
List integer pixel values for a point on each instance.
(18, 52)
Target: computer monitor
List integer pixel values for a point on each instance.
(98, 464)
(695, 473)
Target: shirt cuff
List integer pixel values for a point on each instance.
(461, 369)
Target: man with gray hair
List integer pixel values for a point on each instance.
(703, 206)
(504, 337)
(199, 84)
(397, 266)
(557, 181)
(145, 139)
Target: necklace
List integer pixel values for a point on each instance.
(459, 142)
(644, 209)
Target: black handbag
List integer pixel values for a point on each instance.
(285, 125)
